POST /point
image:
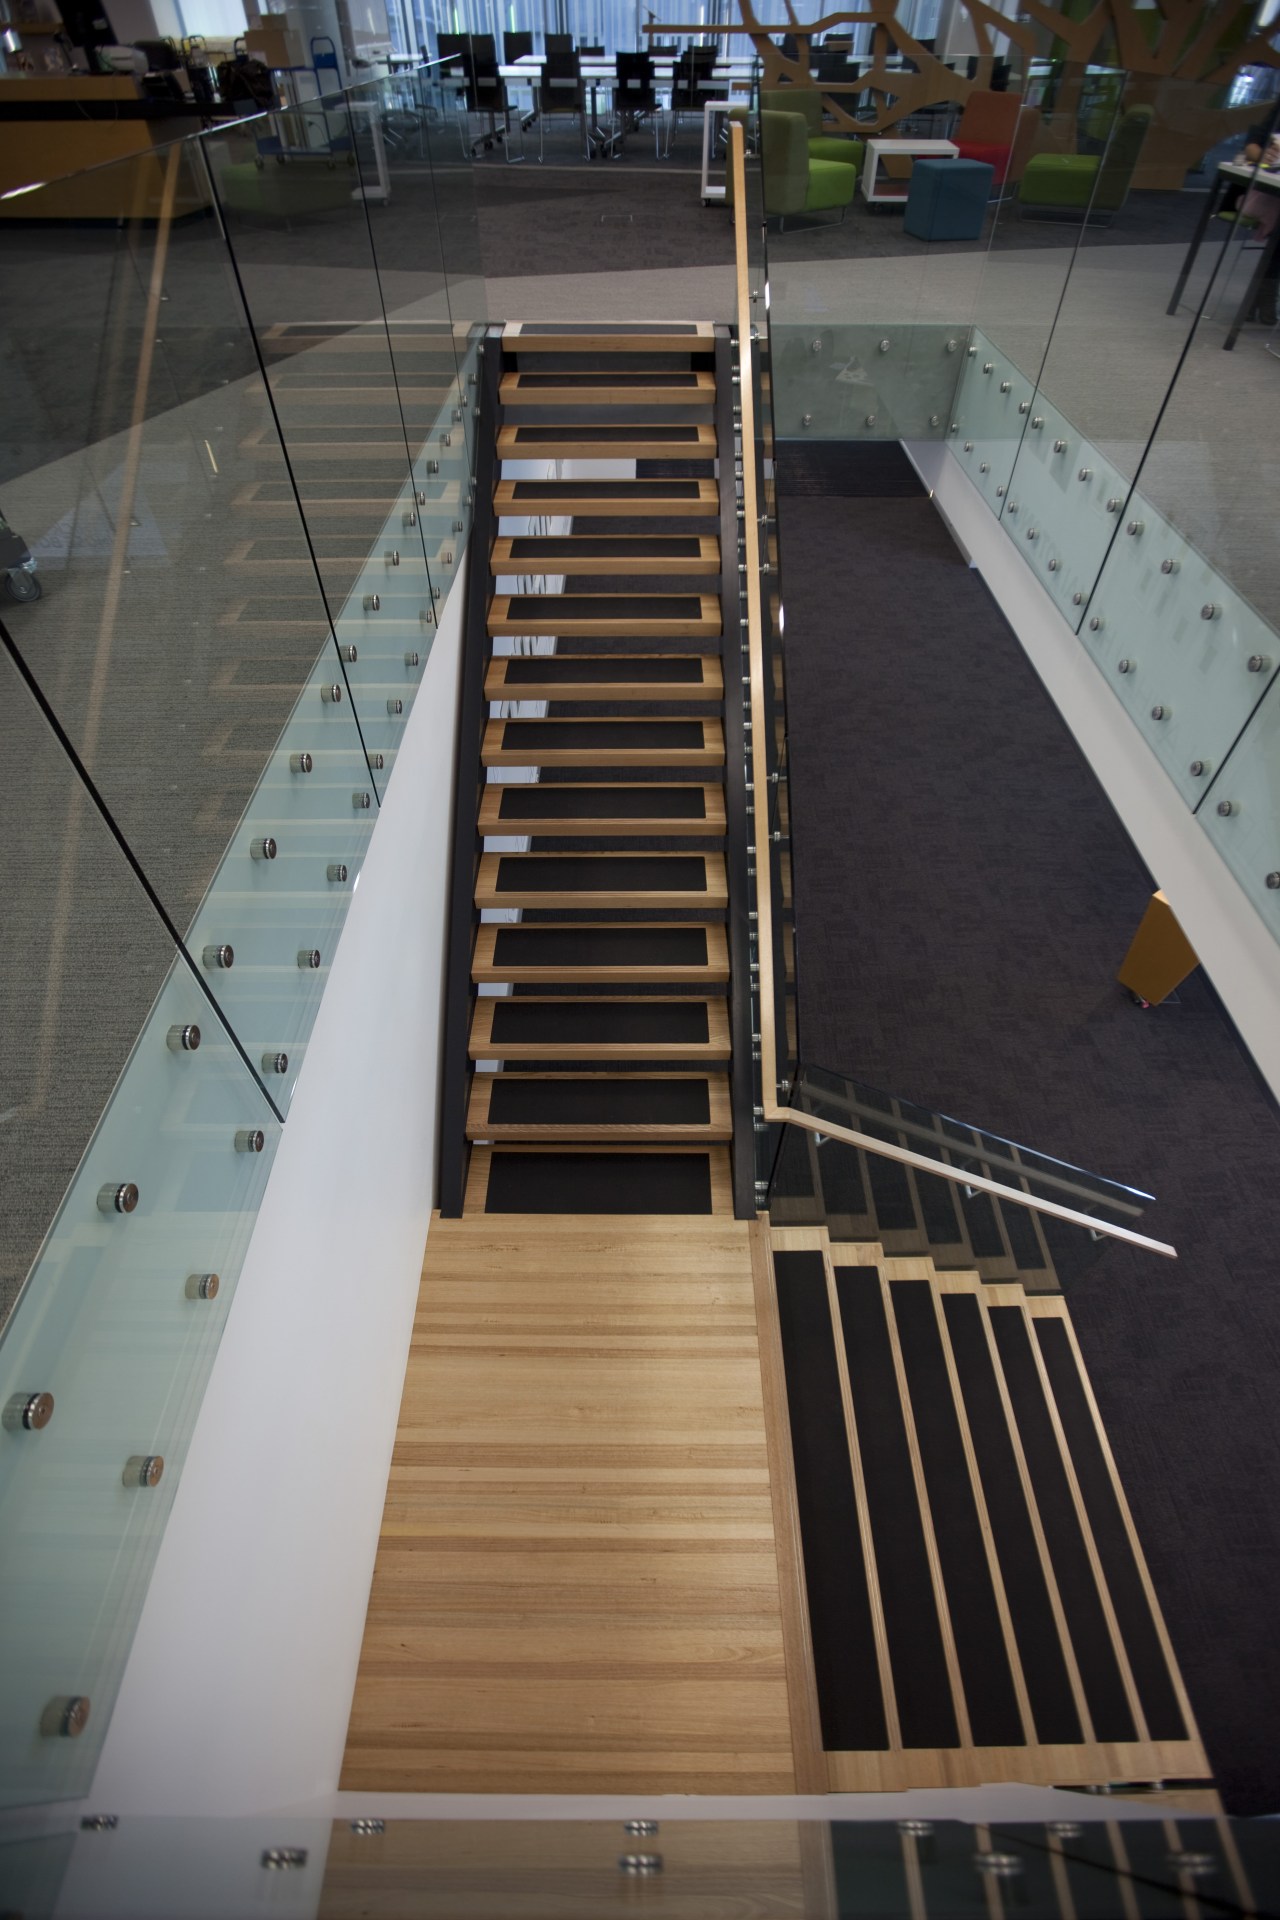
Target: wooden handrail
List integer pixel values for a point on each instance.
(773, 1110)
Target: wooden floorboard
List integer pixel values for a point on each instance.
(576, 1586)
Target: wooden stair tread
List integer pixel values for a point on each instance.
(545, 807)
(609, 499)
(563, 953)
(604, 554)
(605, 880)
(669, 616)
(623, 439)
(694, 337)
(606, 742)
(600, 388)
(599, 1106)
(613, 1027)
(611, 677)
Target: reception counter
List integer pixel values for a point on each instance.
(52, 125)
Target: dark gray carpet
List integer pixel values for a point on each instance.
(964, 894)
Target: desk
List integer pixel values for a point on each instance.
(728, 77)
(1231, 175)
(58, 125)
(878, 150)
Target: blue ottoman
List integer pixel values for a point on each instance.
(948, 199)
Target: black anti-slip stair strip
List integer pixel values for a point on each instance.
(617, 546)
(923, 1690)
(611, 606)
(599, 1023)
(1044, 1667)
(599, 1183)
(547, 492)
(1086, 1621)
(844, 1647)
(625, 945)
(667, 735)
(599, 873)
(540, 800)
(604, 376)
(524, 1100)
(601, 670)
(617, 436)
(1115, 1546)
(984, 1664)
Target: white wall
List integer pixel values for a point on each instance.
(1235, 948)
(238, 1688)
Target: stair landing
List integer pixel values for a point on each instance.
(576, 1587)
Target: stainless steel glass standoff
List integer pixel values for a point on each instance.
(143, 1470)
(99, 1822)
(1125, 666)
(331, 695)
(336, 872)
(871, 420)
(218, 957)
(884, 346)
(1226, 808)
(1059, 446)
(1198, 769)
(1053, 566)
(918, 1829)
(393, 556)
(275, 1062)
(968, 446)
(459, 526)
(182, 1039)
(202, 1286)
(640, 1829)
(372, 602)
(284, 1857)
(1077, 599)
(1085, 473)
(433, 466)
(1168, 566)
(65, 1717)
(377, 761)
(640, 1864)
(308, 959)
(1161, 713)
(117, 1197)
(413, 659)
(395, 707)
(953, 346)
(988, 366)
(1259, 663)
(361, 802)
(1096, 623)
(984, 466)
(1114, 504)
(1209, 611)
(427, 616)
(1006, 386)
(301, 763)
(1273, 882)
(250, 1140)
(1134, 528)
(27, 1412)
(410, 519)
(263, 849)
(1037, 421)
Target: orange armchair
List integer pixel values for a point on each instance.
(986, 130)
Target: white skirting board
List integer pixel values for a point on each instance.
(238, 1688)
(1235, 948)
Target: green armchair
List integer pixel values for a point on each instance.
(1058, 183)
(793, 181)
(844, 148)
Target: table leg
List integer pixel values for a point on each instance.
(1259, 274)
(1213, 200)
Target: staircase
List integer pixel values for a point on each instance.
(978, 1601)
(599, 1053)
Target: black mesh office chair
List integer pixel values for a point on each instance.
(562, 90)
(635, 94)
(687, 94)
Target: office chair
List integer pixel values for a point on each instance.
(634, 95)
(515, 46)
(591, 53)
(557, 42)
(486, 95)
(562, 90)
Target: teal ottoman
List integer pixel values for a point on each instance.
(948, 199)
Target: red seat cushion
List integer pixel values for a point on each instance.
(995, 156)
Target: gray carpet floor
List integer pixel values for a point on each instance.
(964, 893)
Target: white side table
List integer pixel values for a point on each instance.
(879, 193)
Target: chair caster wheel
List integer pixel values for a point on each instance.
(1138, 1001)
